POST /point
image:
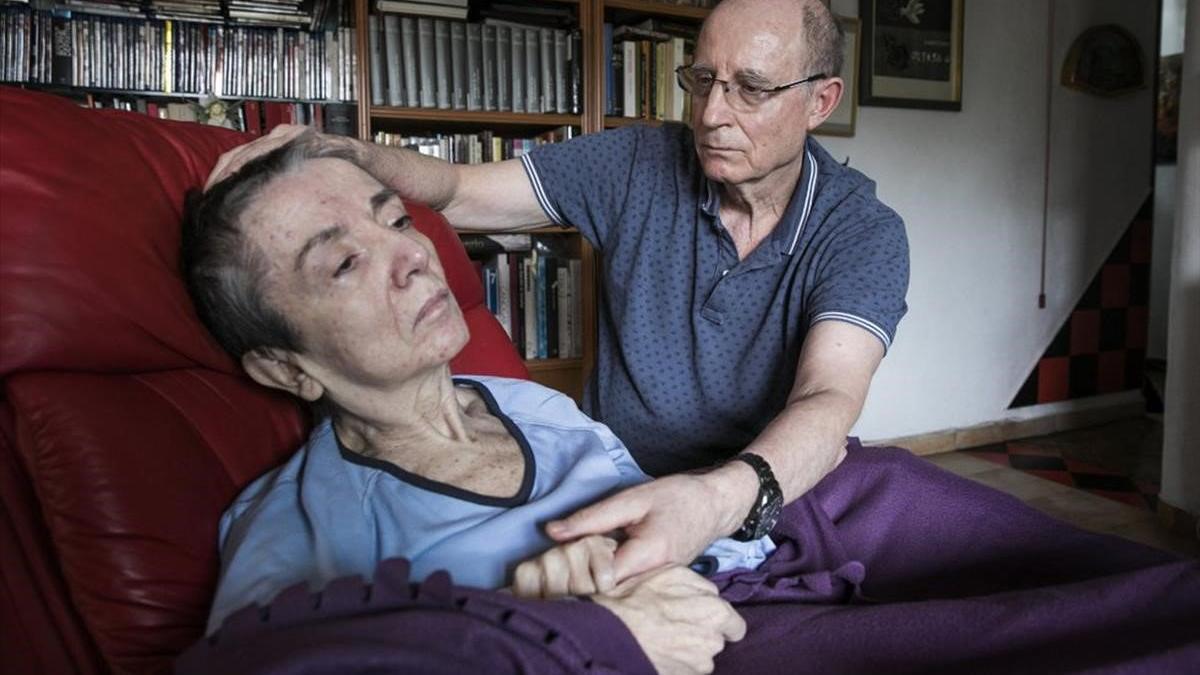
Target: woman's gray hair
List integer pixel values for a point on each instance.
(223, 269)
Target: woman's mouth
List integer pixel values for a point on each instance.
(434, 306)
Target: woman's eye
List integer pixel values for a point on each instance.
(346, 266)
(401, 223)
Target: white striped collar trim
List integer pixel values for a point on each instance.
(810, 193)
(857, 321)
(540, 192)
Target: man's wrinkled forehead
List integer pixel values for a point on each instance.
(770, 31)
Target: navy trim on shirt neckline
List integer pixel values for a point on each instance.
(710, 202)
(522, 495)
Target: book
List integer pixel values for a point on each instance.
(394, 59)
(442, 65)
(629, 79)
(533, 72)
(474, 66)
(547, 60)
(561, 40)
(339, 118)
(489, 67)
(518, 70)
(611, 68)
(504, 57)
(409, 47)
(458, 65)
(426, 50)
(422, 9)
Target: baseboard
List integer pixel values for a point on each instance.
(1033, 421)
(1178, 521)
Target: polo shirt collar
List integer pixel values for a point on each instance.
(786, 236)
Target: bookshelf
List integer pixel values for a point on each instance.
(565, 374)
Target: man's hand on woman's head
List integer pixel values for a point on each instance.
(580, 567)
(676, 617)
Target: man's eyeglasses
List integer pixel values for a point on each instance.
(749, 94)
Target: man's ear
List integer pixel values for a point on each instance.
(278, 369)
(824, 101)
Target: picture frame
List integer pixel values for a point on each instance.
(912, 54)
(841, 121)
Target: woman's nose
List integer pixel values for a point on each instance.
(409, 258)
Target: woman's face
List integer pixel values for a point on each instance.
(365, 289)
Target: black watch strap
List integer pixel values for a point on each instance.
(765, 511)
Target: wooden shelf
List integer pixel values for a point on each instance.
(488, 118)
(659, 8)
(611, 122)
(544, 365)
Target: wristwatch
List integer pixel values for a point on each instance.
(766, 507)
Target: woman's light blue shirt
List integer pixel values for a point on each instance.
(329, 512)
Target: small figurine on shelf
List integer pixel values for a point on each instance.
(216, 112)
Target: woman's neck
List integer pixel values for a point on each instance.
(424, 411)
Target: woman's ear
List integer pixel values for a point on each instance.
(278, 369)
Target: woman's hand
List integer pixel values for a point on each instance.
(676, 617)
(580, 567)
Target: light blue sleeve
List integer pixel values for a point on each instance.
(266, 546)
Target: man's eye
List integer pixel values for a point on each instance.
(751, 89)
(346, 266)
(704, 79)
(401, 223)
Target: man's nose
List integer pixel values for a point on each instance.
(409, 259)
(716, 110)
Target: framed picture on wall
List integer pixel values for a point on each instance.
(841, 122)
(911, 53)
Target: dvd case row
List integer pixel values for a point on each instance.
(170, 56)
(422, 62)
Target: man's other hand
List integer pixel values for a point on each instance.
(580, 567)
(676, 617)
(668, 520)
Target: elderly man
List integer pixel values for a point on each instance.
(751, 283)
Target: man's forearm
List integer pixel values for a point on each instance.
(491, 196)
(802, 444)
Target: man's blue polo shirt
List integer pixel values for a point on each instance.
(698, 350)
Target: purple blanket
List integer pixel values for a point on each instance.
(889, 564)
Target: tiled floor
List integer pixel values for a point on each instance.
(1102, 479)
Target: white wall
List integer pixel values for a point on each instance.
(1181, 424)
(1170, 42)
(969, 186)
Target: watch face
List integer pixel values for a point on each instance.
(768, 517)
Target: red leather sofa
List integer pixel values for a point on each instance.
(124, 430)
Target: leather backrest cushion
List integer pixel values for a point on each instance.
(89, 248)
(132, 472)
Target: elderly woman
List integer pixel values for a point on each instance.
(307, 269)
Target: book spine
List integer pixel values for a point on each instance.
(504, 293)
(565, 301)
(488, 40)
(458, 65)
(518, 70)
(549, 104)
(62, 66)
(408, 47)
(392, 57)
(504, 68)
(561, 64)
(442, 65)
(380, 86)
(530, 294)
(533, 72)
(474, 66)
(576, 268)
(629, 55)
(425, 41)
(540, 281)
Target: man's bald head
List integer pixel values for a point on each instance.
(820, 50)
